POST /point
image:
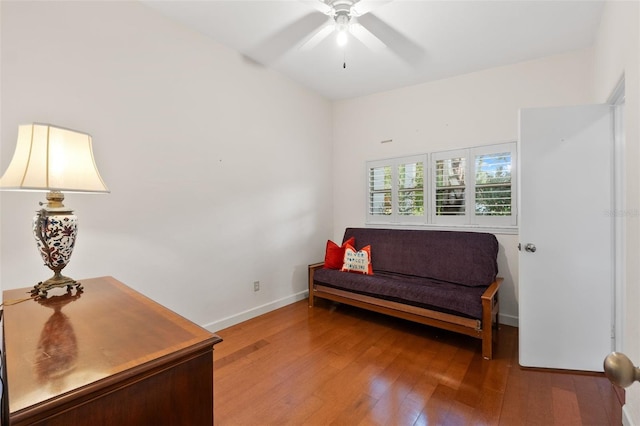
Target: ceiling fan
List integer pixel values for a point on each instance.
(345, 18)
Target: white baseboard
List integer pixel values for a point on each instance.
(508, 320)
(254, 312)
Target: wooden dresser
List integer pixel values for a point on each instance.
(105, 356)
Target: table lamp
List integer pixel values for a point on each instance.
(53, 159)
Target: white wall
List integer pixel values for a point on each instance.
(470, 110)
(617, 53)
(219, 170)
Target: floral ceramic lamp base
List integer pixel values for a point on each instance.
(55, 230)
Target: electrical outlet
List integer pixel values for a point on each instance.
(256, 286)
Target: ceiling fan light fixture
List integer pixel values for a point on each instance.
(341, 37)
(342, 19)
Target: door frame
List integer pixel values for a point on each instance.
(617, 102)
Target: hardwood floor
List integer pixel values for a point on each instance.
(339, 365)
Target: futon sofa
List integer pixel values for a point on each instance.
(445, 279)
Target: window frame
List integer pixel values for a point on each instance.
(470, 220)
(395, 217)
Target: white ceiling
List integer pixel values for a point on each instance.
(426, 39)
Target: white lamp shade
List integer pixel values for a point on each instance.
(49, 158)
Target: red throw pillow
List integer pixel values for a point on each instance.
(334, 255)
(357, 260)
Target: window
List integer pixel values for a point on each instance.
(450, 192)
(411, 189)
(380, 191)
(467, 187)
(493, 184)
(396, 190)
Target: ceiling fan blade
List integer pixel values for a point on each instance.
(366, 6)
(320, 6)
(320, 35)
(272, 48)
(406, 49)
(366, 37)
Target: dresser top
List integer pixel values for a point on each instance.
(72, 343)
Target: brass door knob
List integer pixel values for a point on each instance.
(620, 370)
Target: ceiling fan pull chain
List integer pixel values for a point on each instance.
(344, 60)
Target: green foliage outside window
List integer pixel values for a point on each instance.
(411, 189)
(493, 184)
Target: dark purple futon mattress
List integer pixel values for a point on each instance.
(445, 271)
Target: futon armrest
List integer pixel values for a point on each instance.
(315, 266)
(491, 291)
(490, 308)
(312, 269)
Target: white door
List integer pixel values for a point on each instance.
(566, 199)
